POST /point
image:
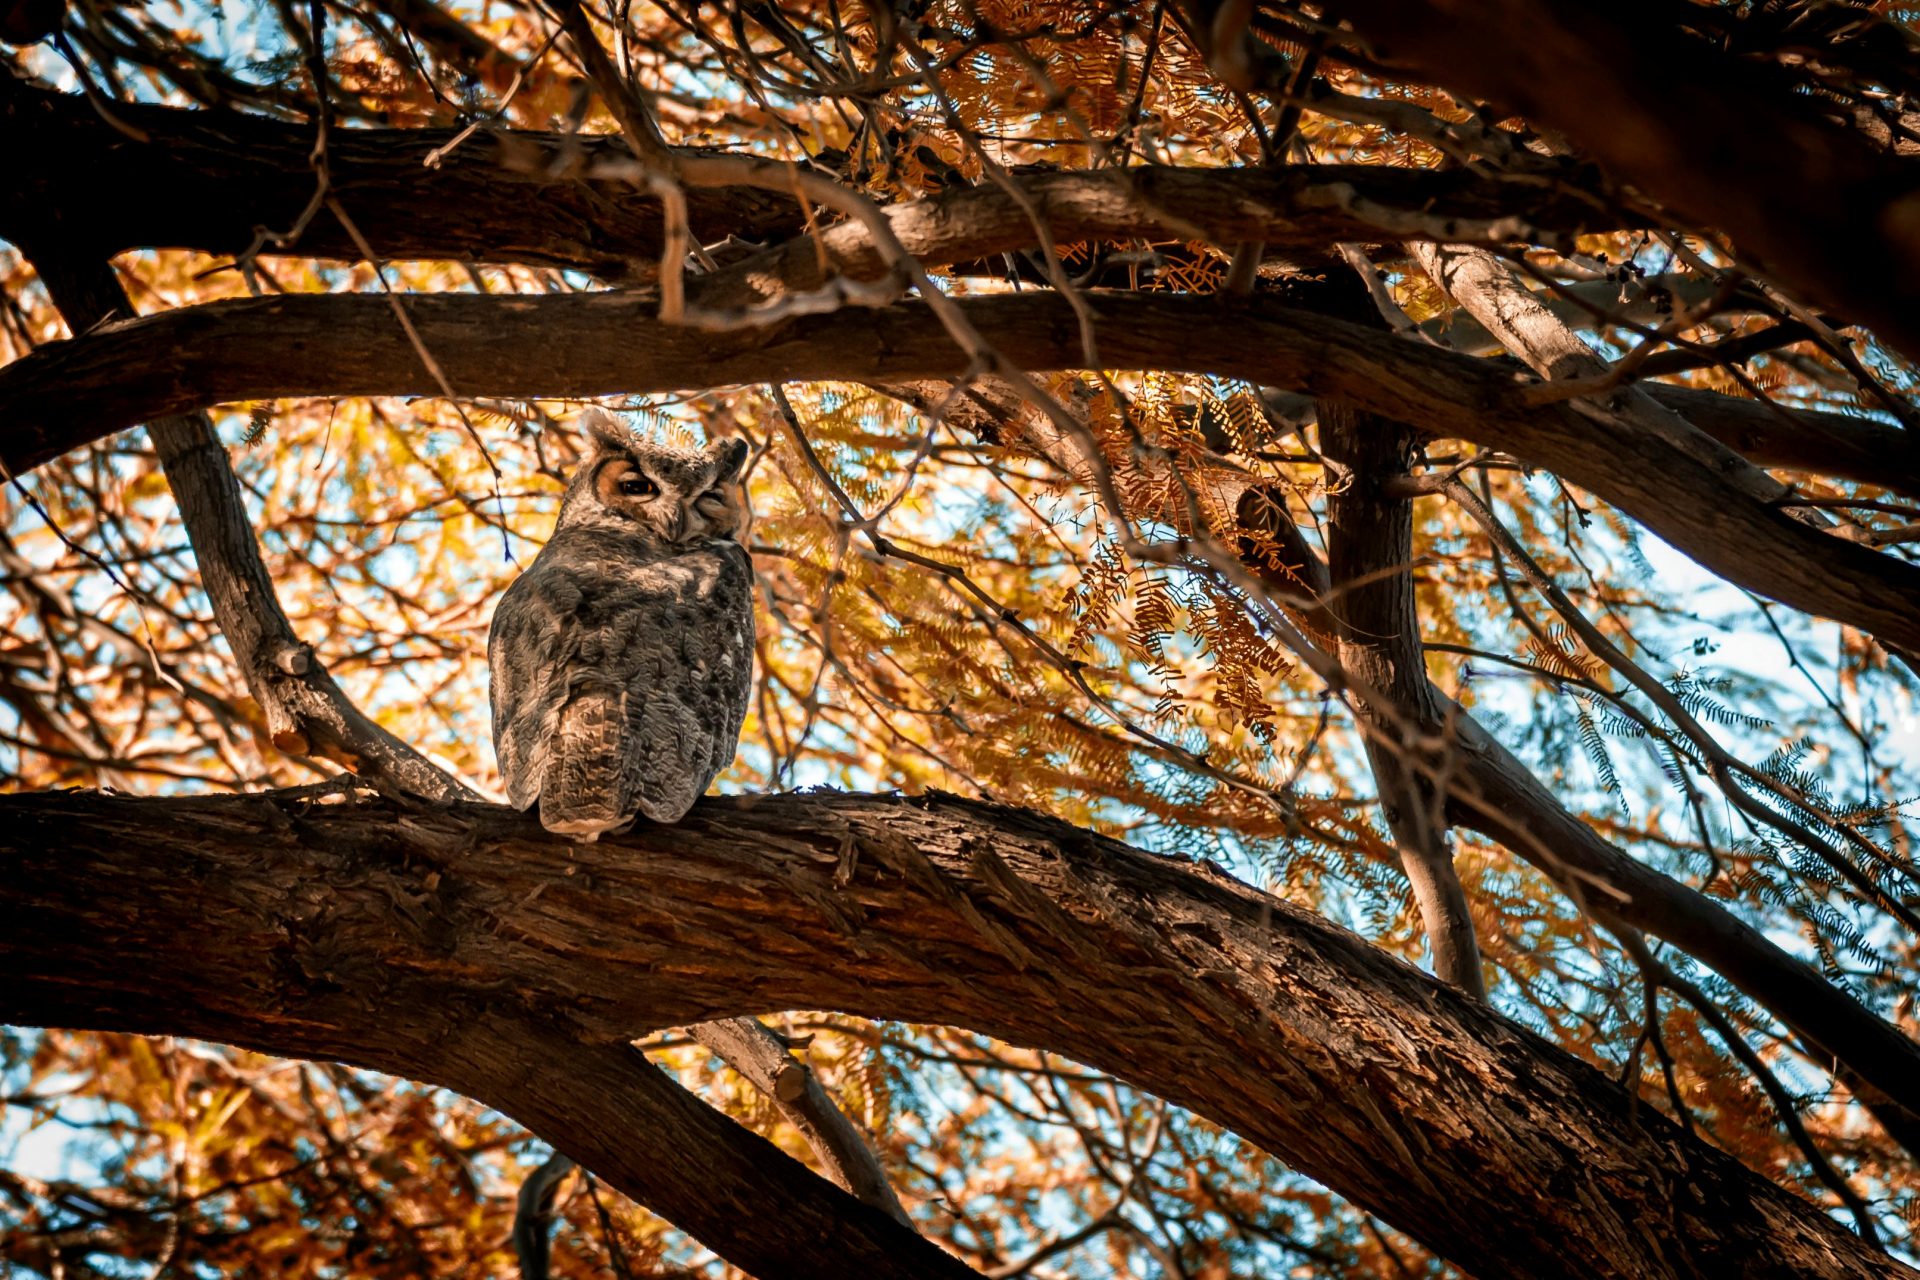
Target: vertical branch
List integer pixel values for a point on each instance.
(1369, 561)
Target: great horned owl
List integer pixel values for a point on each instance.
(623, 656)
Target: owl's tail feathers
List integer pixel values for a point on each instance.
(584, 791)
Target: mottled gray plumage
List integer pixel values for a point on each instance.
(622, 658)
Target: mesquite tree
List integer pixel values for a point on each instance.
(1349, 567)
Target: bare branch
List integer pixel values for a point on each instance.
(760, 1055)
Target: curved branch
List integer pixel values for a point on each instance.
(519, 197)
(306, 710)
(461, 945)
(1491, 791)
(1728, 143)
(599, 344)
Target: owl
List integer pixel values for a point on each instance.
(622, 658)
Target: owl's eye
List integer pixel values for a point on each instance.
(638, 487)
(713, 495)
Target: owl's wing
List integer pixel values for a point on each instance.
(524, 657)
(659, 669)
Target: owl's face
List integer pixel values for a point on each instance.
(674, 497)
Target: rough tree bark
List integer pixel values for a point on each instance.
(459, 944)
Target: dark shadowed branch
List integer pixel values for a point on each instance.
(1370, 572)
(552, 200)
(1729, 143)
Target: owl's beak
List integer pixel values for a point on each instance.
(677, 524)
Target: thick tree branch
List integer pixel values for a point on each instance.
(500, 196)
(68, 393)
(1729, 144)
(1828, 444)
(461, 945)
(1295, 208)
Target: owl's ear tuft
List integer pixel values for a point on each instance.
(608, 433)
(731, 454)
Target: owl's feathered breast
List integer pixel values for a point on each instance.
(621, 669)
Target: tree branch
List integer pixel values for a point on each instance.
(461, 945)
(527, 197)
(1728, 143)
(1491, 293)
(501, 196)
(760, 1055)
(67, 393)
(1491, 791)
(307, 712)
(1370, 571)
